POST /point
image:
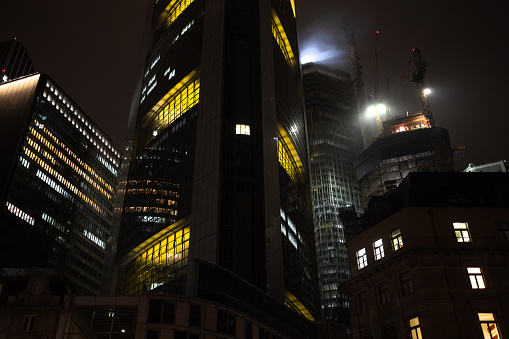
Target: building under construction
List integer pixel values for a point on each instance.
(408, 144)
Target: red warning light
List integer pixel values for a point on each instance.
(377, 32)
(15, 37)
(3, 71)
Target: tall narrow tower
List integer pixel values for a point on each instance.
(219, 163)
(335, 141)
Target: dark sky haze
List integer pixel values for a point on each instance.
(91, 49)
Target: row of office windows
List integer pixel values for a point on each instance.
(68, 161)
(65, 104)
(461, 232)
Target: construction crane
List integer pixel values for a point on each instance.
(374, 99)
(417, 78)
(359, 86)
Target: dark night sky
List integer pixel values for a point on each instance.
(91, 49)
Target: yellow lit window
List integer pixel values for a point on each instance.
(396, 239)
(282, 40)
(489, 326)
(415, 328)
(462, 232)
(476, 277)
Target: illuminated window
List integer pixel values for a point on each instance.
(242, 129)
(282, 40)
(415, 328)
(396, 239)
(362, 258)
(489, 326)
(174, 9)
(476, 278)
(378, 248)
(462, 232)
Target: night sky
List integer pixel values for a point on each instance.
(91, 49)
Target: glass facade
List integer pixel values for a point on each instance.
(335, 141)
(233, 159)
(61, 189)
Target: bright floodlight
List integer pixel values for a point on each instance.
(380, 108)
(427, 91)
(371, 111)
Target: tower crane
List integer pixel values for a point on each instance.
(359, 86)
(417, 78)
(374, 99)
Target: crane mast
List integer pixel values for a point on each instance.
(377, 71)
(359, 86)
(417, 78)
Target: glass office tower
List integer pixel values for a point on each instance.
(335, 141)
(218, 178)
(58, 176)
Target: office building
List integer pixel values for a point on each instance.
(435, 264)
(58, 179)
(217, 199)
(407, 145)
(14, 60)
(335, 142)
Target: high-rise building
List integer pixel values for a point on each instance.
(406, 145)
(218, 191)
(58, 176)
(335, 141)
(14, 60)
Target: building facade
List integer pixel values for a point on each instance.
(14, 60)
(436, 265)
(407, 145)
(335, 142)
(58, 180)
(219, 155)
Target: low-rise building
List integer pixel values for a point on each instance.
(436, 266)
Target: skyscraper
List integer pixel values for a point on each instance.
(14, 60)
(218, 179)
(57, 182)
(335, 141)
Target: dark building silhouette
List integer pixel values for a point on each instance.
(435, 263)
(335, 142)
(217, 200)
(14, 60)
(57, 183)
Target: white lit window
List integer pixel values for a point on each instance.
(396, 239)
(242, 129)
(415, 328)
(362, 258)
(462, 232)
(489, 326)
(476, 277)
(378, 248)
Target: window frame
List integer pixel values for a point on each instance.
(415, 329)
(476, 278)
(28, 324)
(462, 234)
(396, 240)
(362, 259)
(407, 286)
(488, 324)
(381, 253)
